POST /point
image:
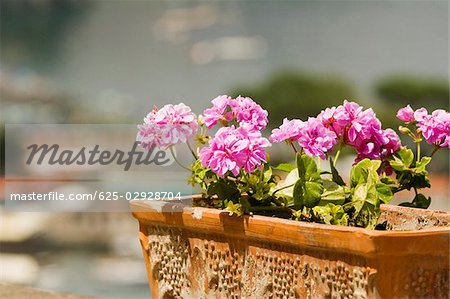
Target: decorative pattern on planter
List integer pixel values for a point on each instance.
(169, 252)
(187, 265)
(302, 276)
(432, 283)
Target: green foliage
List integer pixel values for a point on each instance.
(312, 193)
(330, 214)
(234, 208)
(364, 171)
(299, 190)
(368, 191)
(297, 95)
(200, 175)
(224, 190)
(329, 198)
(399, 90)
(307, 168)
(403, 159)
(286, 167)
(410, 173)
(384, 192)
(333, 193)
(309, 187)
(420, 201)
(335, 175)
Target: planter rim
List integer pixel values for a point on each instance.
(296, 233)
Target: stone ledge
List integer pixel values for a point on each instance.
(10, 291)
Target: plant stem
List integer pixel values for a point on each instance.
(285, 187)
(176, 160)
(436, 148)
(234, 180)
(418, 151)
(338, 153)
(319, 163)
(292, 145)
(192, 151)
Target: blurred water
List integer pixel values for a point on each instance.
(90, 273)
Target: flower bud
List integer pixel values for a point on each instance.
(404, 130)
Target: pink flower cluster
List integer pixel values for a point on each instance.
(235, 148)
(435, 127)
(167, 126)
(290, 130)
(350, 123)
(246, 112)
(316, 139)
(232, 149)
(362, 130)
(312, 135)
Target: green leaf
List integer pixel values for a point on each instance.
(397, 164)
(406, 155)
(331, 214)
(268, 174)
(223, 190)
(359, 197)
(422, 164)
(384, 192)
(365, 203)
(419, 201)
(298, 194)
(234, 208)
(312, 194)
(307, 168)
(388, 181)
(409, 179)
(402, 159)
(336, 177)
(333, 193)
(365, 169)
(286, 167)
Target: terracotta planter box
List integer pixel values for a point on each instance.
(205, 253)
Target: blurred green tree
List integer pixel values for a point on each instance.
(400, 90)
(294, 94)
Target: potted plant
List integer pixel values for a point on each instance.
(252, 234)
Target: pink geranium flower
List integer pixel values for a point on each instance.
(339, 118)
(379, 145)
(316, 139)
(391, 143)
(435, 128)
(406, 114)
(218, 112)
(419, 114)
(289, 130)
(346, 113)
(360, 129)
(363, 126)
(234, 148)
(248, 113)
(170, 125)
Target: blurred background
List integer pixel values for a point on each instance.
(112, 61)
